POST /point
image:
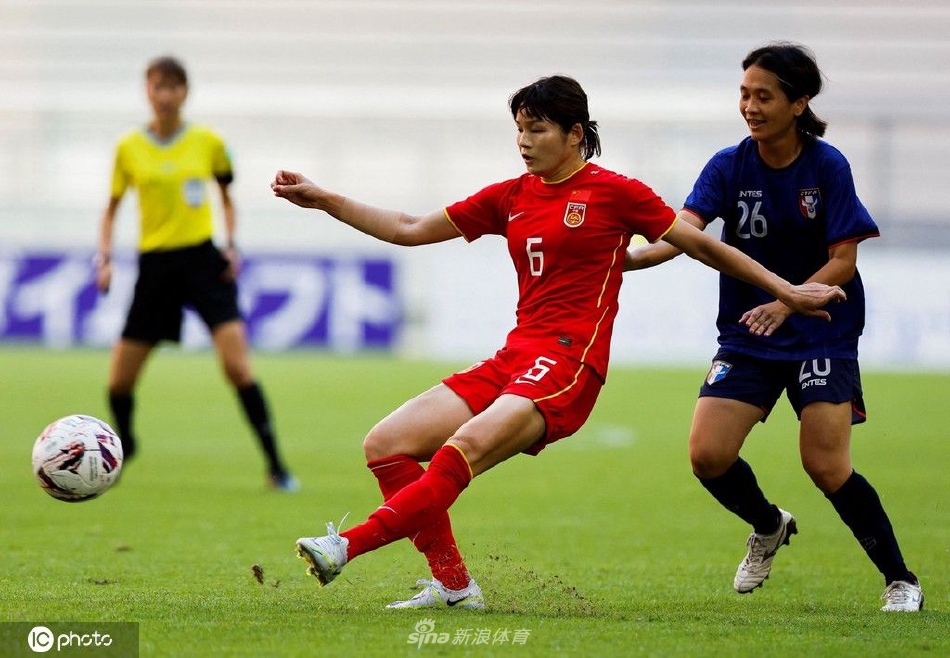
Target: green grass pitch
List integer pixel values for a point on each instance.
(603, 545)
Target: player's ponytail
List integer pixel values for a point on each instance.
(591, 140)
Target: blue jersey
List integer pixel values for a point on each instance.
(786, 219)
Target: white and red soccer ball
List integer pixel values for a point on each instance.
(77, 458)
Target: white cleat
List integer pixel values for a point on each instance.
(755, 567)
(903, 596)
(326, 555)
(434, 594)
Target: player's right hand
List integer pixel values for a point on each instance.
(296, 188)
(103, 277)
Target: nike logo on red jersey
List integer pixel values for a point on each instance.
(513, 216)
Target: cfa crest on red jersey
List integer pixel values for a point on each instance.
(809, 201)
(574, 215)
(576, 208)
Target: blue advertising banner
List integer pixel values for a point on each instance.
(340, 303)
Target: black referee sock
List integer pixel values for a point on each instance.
(255, 409)
(738, 491)
(859, 506)
(122, 406)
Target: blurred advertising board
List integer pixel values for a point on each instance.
(340, 303)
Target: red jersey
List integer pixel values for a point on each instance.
(567, 241)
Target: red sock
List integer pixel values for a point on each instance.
(395, 473)
(414, 507)
(435, 541)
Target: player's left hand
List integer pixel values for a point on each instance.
(765, 319)
(234, 264)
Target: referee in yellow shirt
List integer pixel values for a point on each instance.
(169, 163)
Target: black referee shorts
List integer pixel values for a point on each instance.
(170, 280)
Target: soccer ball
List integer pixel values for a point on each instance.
(77, 458)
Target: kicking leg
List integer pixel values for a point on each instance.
(508, 426)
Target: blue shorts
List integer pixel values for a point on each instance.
(760, 382)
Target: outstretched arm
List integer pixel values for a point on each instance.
(807, 298)
(387, 225)
(649, 255)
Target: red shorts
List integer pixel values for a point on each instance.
(564, 390)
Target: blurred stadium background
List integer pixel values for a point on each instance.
(403, 104)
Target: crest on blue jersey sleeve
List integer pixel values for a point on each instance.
(809, 201)
(718, 372)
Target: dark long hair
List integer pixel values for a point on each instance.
(561, 100)
(798, 74)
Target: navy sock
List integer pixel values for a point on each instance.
(859, 506)
(738, 491)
